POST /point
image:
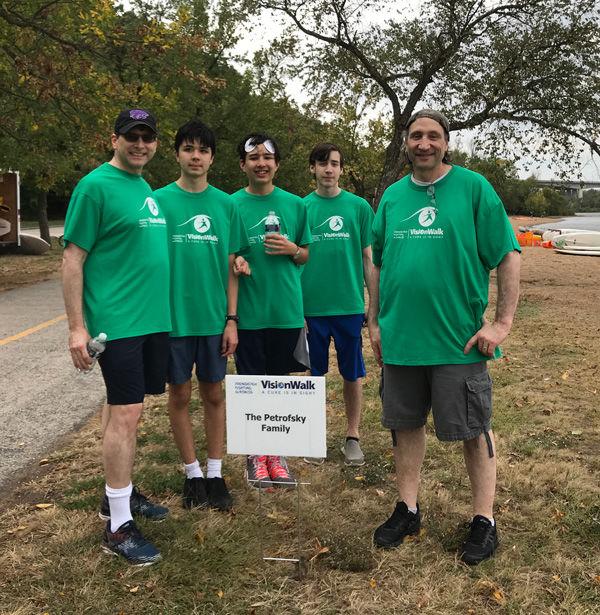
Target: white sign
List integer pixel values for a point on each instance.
(276, 415)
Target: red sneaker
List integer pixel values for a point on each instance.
(280, 473)
(257, 473)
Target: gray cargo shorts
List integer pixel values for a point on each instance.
(459, 396)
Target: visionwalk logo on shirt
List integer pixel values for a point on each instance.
(425, 217)
(336, 226)
(201, 224)
(153, 219)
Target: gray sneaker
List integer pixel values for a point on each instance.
(315, 461)
(353, 456)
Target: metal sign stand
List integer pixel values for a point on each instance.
(299, 560)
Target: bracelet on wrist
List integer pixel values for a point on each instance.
(233, 317)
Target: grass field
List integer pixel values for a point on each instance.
(548, 502)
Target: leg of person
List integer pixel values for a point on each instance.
(347, 335)
(182, 351)
(121, 365)
(319, 338)
(462, 407)
(250, 360)
(280, 360)
(406, 403)
(210, 369)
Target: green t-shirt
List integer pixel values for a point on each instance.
(332, 280)
(435, 255)
(204, 228)
(272, 296)
(113, 217)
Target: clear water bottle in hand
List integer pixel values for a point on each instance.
(95, 348)
(271, 223)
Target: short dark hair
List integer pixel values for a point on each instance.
(322, 151)
(195, 130)
(254, 139)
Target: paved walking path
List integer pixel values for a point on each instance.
(41, 395)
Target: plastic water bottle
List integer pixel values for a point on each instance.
(95, 348)
(272, 223)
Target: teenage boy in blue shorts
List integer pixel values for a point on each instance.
(333, 283)
(204, 234)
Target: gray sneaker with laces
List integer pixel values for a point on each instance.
(353, 455)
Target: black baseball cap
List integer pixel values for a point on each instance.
(129, 118)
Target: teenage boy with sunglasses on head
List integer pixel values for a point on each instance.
(333, 284)
(270, 298)
(116, 281)
(205, 232)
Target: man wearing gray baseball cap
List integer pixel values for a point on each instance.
(437, 235)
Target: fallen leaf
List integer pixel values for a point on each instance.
(380, 492)
(43, 506)
(519, 404)
(359, 478)
(556, 577)
(200, 536)
(220, 593)
(134, 589)
(576, 432)
(43, 462)
(498, 597)
(373, 583)
(597, 579)
(565, 375)
(558, 514)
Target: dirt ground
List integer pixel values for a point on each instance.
(20, 270)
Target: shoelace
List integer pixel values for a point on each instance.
(260, 467)
(479, 531)
(276, 469)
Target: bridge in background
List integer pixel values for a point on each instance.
(570, 188)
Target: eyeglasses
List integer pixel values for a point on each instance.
(251, 145)
(431, 195)
(135, 137)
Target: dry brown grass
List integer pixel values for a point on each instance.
(20, 270)
(548, 504)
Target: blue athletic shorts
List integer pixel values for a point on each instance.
(133, 367)
(346, 332)
(203, 351)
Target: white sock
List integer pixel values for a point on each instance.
(412, 510)
(193, 470)
(490, 519)
(213, 468)
(118, 502)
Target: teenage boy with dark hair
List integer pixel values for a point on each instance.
(333, 283)
(270, 298)
(116, 281)
(204, 233)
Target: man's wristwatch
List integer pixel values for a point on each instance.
(233, 317)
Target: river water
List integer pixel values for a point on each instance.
(589, 221)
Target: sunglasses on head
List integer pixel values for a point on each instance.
(146, 137)
(251, 145)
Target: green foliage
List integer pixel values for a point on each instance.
(590, 201)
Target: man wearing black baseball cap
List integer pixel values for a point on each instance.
(116, 282)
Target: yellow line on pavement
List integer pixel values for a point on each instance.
(22, 334)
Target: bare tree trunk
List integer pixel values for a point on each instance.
(392, 167)
(42, 211)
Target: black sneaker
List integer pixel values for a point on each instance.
(194, 493)
(481, 542)
(129, 542)
(218, 494)
(402, 523)
(140, 506)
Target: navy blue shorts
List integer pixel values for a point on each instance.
(346, 332)
(133, 367)
(204, 351)
(267, 351)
